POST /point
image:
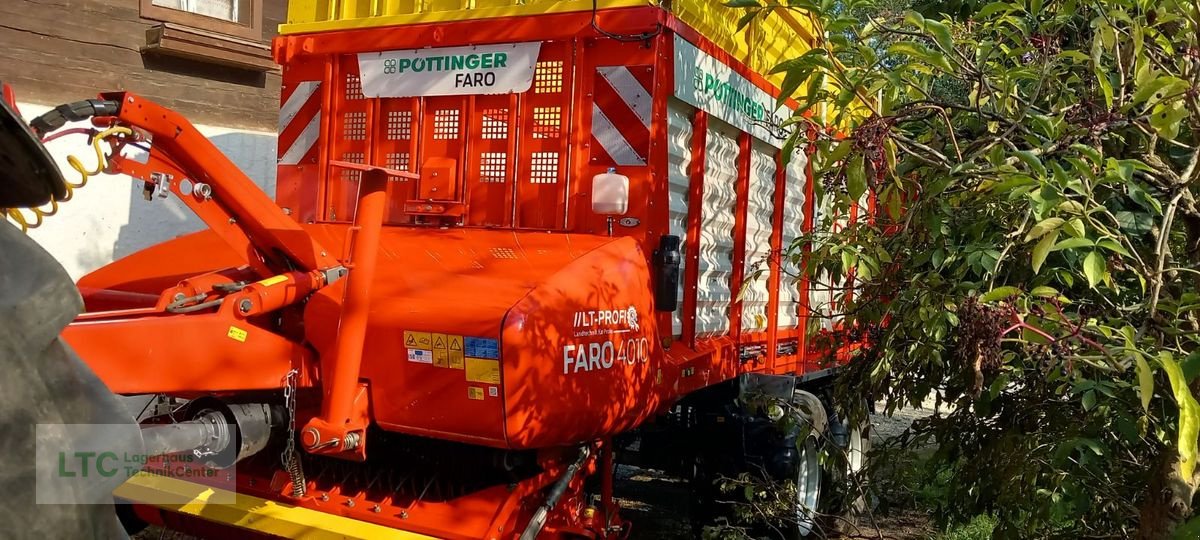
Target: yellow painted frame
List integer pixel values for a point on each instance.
(253, 513)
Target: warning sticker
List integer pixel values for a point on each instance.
(441, 358)
(418, 340)
(456, 360)
(482, 347)
(493, 391)
(237, 334)
(483, 370)
(440, 341)
(420, 356)
(474, 392)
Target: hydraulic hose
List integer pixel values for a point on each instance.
(556, 492)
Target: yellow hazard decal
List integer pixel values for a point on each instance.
(483, 370)
(273, 280)
(455, 346)
(418, 340)
(441, 358)
(237, 334)
(474, 392)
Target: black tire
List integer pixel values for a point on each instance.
(808, 472)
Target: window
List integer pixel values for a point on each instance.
(241, 18)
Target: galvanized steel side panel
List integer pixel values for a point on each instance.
(713, 295)
(760, 216)
(793, 225)
(679, 160)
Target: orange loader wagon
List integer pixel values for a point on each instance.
(512, 244)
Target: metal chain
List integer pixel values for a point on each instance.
(291, 461)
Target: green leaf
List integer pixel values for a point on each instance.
(1075, 228)
(1072, 243)
(1159, 88)
(1094, 268)
(922, 53)
(1044, 226)
(1189, 414)
(1031, 161)
(840, 151)
(999, 293)
(856, 177)
(1091, 153)
(1044, 291)
(1145, 381)
(747, 17)
(741, 3)
(941, 34)
(1167, 118)
(1112, 245)
(1089, 400)
(1042, 249)
(994, 8)
(1105, 87)
(1134, 222)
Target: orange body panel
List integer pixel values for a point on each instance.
(496, 308)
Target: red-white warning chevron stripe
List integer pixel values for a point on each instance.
(299, 122)
(621, 111)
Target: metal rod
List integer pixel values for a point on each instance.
(342, 382)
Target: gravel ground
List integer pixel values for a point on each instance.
(657, 504)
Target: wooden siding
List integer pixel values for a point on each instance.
(57, 51)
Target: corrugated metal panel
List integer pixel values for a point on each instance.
(825, 288)
(679, 159)
(713, 294)
(760, 216)
(793, 225)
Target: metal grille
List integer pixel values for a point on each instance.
(492, 167)
(354, 126)
(504, 253)
(495, 124)
(399, 125)
(548, 77)
(445, 124)
(547, 122)
(350, 174)
(353, 87)
(397, 161)
(543, 168)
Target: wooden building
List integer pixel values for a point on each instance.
(208, 59)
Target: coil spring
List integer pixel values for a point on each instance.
(296, 473)
(41, 213)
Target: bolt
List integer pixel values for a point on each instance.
(377, 509)
(178, 296)
(232, 221)
(324, 496)
(245, 305)
(403, 514)
(350, 503)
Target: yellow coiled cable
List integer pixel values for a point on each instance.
(41, 213)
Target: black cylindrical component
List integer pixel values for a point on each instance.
(220, 433)
(667, 260)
